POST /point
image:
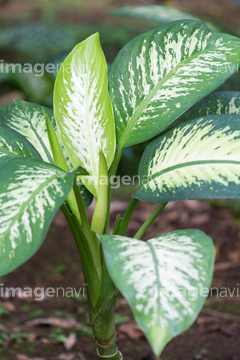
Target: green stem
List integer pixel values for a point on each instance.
(127, 217)
(102, 319)
(89, 251)
(150, 220)
(100, 212)
(112, 172)
(70, 221)
(81, 208)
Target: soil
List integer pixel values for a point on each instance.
(26, 334)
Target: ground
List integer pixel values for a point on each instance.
(57, 328)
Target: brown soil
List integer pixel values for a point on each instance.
(57, 265)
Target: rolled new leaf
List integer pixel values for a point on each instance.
(83, 110)
(60, 161)
(157, 76)
(30, 194)
(198, 159)
(164, 280)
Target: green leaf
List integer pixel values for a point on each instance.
(198, 159)
(165, 280)
(29, 120)
(160, 74)
(163, 14)
(30, 194)
(13, 144)
(219, 102)
(83, 109)
(158, 13)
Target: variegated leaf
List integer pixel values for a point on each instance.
(165, 280)
(158, 13)
(163, 14)
(159, 75)
(198, 159)
(13, 144)
(83, 109)
(30, 194)
(219, 102)
(29, 120)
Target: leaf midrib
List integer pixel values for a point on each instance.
(26, 204)
(156, 265)
(90, 142)
(41, 142)
(191, 163)
(8, 152)
(142, 106)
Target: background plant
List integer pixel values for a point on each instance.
(49, 163)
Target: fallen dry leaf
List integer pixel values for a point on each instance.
(9, 97)
(67, 357)
(9, 305)
(201, 219)
(24, 357)
(228, 332)
(131, 329)
(234, 256)
(45, 340)
(32, 336)
(70, 341)
(172, 216)
(225, 265)
(58, 322)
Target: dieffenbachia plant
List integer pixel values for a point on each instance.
(61, 159)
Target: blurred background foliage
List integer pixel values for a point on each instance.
(43, 32)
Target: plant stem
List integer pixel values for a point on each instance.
(81, 208)
(112, 172)
(102, 319)
(89, 251)
(100, 212)
(70, 220)
(150, 220)
(127, 217)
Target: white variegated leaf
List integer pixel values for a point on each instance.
(198, 159)
(31, 192)
(83, 109)
(28, 120)
(158, 13)
(13, 144)
(163, 14)
(165, 280)
(219, 102)
(157, 76)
